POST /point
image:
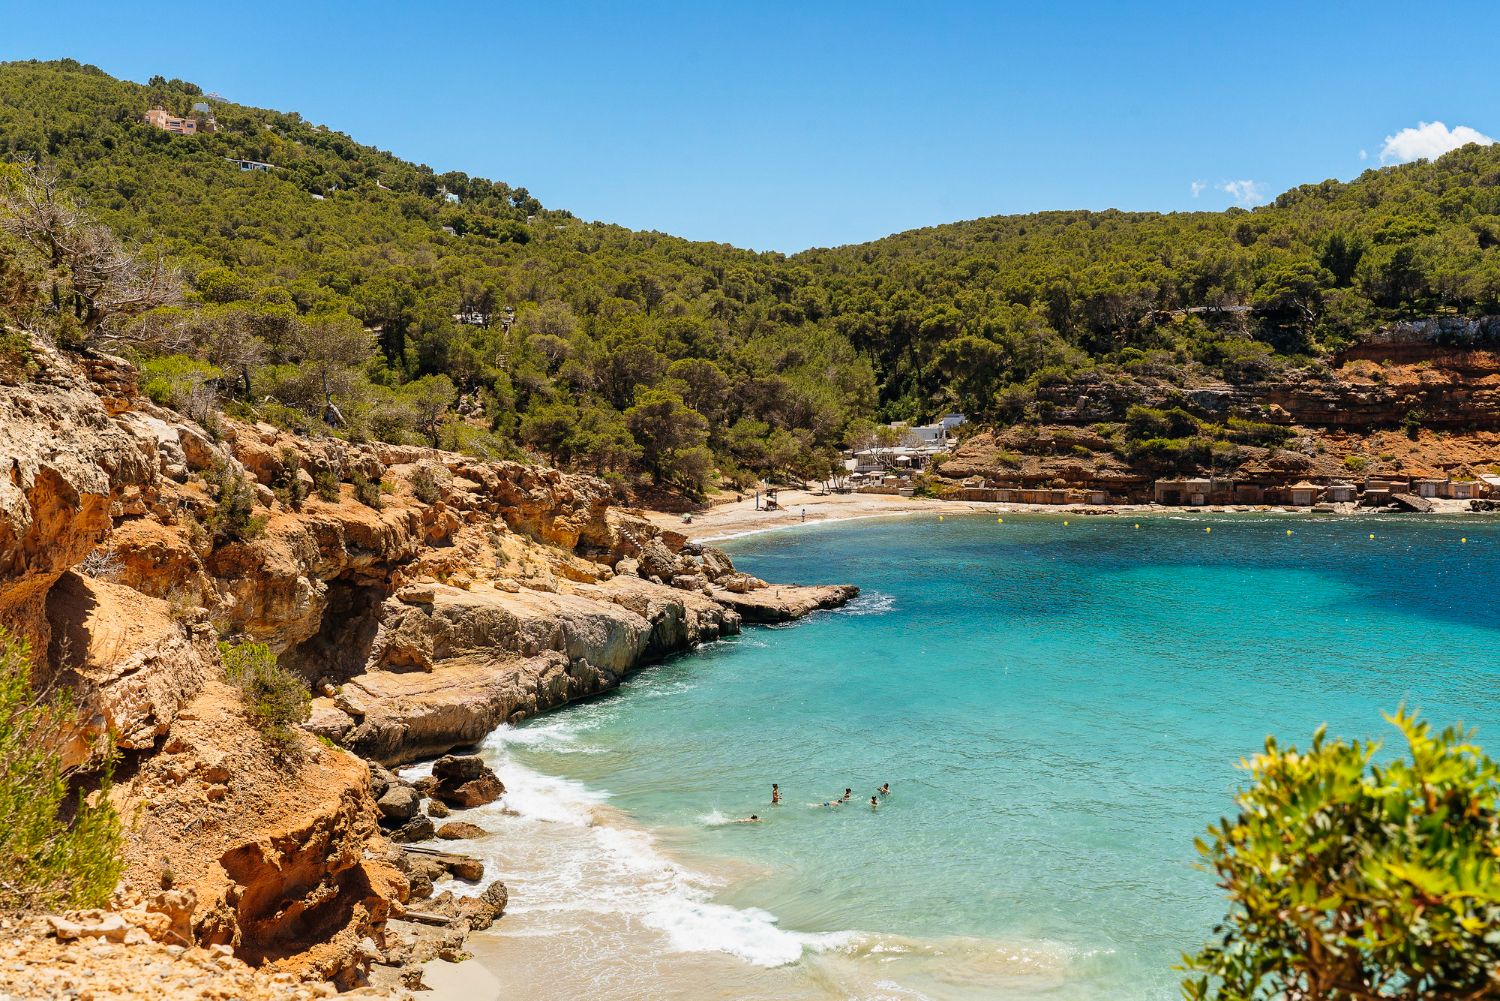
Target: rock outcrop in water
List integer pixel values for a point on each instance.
(470, 594)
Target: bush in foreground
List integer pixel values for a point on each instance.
(274, 698)
(53, 853)
(1352, 880)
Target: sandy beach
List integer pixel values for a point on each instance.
(739, 517)
(805, 506)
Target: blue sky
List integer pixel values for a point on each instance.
(783, 126)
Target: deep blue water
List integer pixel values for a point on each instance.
(1059, 709)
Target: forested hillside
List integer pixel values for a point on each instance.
(351, 276)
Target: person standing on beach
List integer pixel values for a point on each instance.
(775, 794)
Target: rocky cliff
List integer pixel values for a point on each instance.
(425, 597)
(1419, 398)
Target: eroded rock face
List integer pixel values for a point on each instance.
(130, 663)
(64, 464)
(281, 854)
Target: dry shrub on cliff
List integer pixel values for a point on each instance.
(426, 483)
(274, 698)
(52, 853)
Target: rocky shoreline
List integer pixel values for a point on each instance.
(425, 597)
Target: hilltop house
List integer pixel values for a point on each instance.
(171, 123)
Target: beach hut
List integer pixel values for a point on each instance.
(1169, 491)
(1304, 494)
(1429, 488)
(1198, 491)
(1464, 489)
(1249, 493)
(1342, 493)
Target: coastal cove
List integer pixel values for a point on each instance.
(1058, 703)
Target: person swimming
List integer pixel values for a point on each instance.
(752, 819)
(831, 802)
(874, 802)
(847, 794)
(884, 790)
(775, 794)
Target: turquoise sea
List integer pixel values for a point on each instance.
(1058, 706)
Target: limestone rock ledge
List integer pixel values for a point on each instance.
(447, 669)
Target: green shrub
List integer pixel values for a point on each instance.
(1176, 453)
(171, 380)
(1142, 423)
(288, 486)
(1257, 433)
(1411, 423)
(16, 360)
(366, 490)
(1355, 463)
(1350, 879)
(47, 862)
(232, 519)
(274, 698)
(326, 483)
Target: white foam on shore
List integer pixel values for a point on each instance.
(571, 860)
(576, 854)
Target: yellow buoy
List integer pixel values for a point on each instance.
(1372, 536)
(999, 520)
(1137, 526)
(1289, 531)
(1463, 540)
(940, 517)
(1065, 523)
(1208, 530)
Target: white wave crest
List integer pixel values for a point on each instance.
(869, 603)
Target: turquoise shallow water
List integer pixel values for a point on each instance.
(1058, 709)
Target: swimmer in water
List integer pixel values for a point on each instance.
(775, 794)
(885, 790)
(847, 794)
(874, 802)
(752, 819)
(831, 802)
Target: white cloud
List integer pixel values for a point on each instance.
(1197, 187)
(1244, 192)
(1428, 141)
(1363, 155)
